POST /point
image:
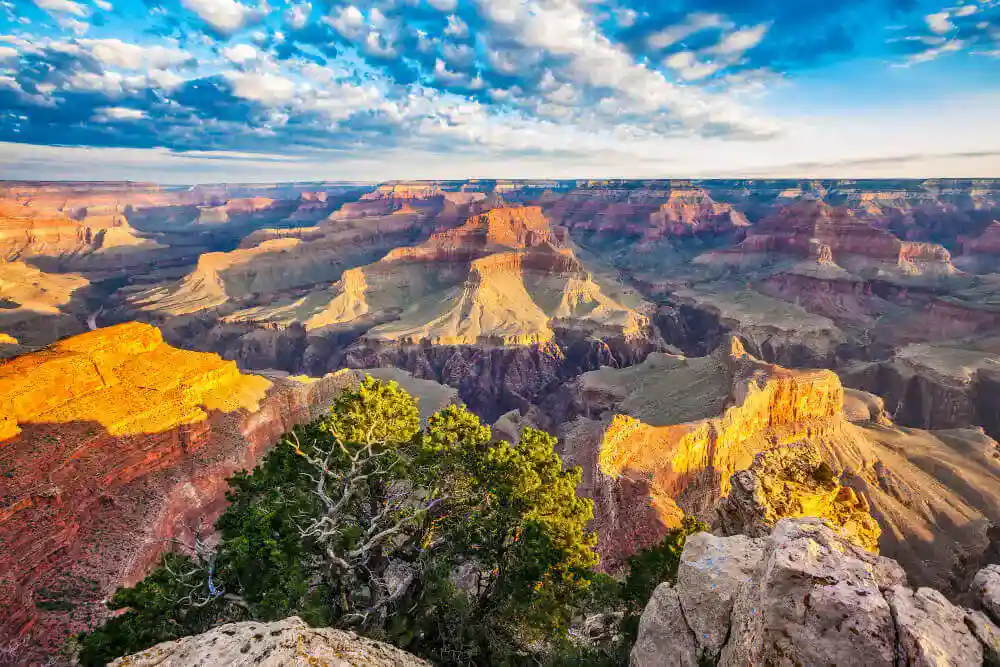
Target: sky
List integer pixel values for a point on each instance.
(184, 91)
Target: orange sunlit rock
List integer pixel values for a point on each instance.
(124, 378)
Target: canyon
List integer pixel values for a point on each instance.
(739, 351)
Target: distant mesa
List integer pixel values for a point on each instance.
(504, 277)
(692, 211)
(853, 244)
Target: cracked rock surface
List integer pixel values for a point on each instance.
(804, 595)
(287, 642)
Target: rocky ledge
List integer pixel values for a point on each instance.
(805, 595)
(287, 642)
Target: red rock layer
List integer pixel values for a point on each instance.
(83, 512)
(691, 211)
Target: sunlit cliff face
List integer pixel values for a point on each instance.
(124, 378)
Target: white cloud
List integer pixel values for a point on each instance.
(226, 16)
(626, 17)
(8, 52)
(689, 68)
(967, 10)
(269, 89)
(75, 26)
(341, 101)
(939, 22)
(693, 23)
(298, 15)
(443, 5)
(103, 4)
(456, 27)
(165, 79)
(116, 53)
(568, 32)
(239, 53)
(108, 83)
(349, 22)
(112, 114)
(740, 41)
(62, 7)
(951, 46)
(461, 55)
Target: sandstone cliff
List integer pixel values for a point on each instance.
(803, 596)
(671, 436)
(935, 386)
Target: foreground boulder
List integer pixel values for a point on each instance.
(287, 642)
(804, 595)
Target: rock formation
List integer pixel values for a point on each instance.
(99, 239)
(854, 244)
(114, 444)
(794, 482)
(287, 642)
(500, 307)
(802, 595)
(982, 253)
(674, 435)
(33, 303)
(692, 211)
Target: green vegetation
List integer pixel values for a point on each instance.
(459, 549)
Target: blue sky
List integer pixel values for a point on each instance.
(251, 90)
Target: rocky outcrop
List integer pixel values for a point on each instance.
(689, 211)
(672, 431)
(126, 380)
(986, 587)
(931, 630)
(982, 253)
(795, 482)
(287, 642)
(674, 435)
(803, 595)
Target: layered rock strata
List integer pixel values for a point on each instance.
(794, 482)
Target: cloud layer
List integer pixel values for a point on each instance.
(538, 79)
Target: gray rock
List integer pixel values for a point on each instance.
(664, 638)
(931, 630)
(287, 642)
(817, 602)
(744, 510)
(986, 588)
(988, 635)
(711, 572)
